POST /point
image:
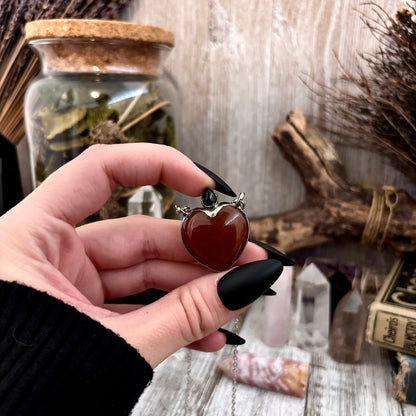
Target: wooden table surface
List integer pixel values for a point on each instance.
(333, 389)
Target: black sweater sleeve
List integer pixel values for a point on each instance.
(55, 360)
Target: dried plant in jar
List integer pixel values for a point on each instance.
(102, 82)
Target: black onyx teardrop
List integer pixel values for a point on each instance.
(209, 199)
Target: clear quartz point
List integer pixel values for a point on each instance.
(145, 201)
(347, 329)
(310, 324)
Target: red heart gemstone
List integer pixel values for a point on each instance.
(216, 238)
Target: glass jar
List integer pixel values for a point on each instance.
(101, 82)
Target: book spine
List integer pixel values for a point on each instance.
(391, 328)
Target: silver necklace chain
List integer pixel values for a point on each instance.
(235, 369)
(188, 378)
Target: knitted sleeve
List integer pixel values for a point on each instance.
(55, 360)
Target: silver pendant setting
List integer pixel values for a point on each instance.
(215, 234)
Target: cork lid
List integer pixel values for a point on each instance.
(98, 29)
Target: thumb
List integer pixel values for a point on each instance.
(194, 310)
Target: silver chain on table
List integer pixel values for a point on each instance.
(188, 359)
(235, 368)
(188, 380)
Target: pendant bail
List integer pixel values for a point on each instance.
(184, 211)
(239, 201)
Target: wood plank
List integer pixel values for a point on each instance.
(409, 409)
(307, 38)
(241, 67)
(334, 388)
(211, 390)
(167, 394)
(352, 389)
(252, 400)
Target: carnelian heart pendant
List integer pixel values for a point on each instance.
(215, 234)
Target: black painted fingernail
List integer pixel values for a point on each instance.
(220, 185)
(270, 292)
(231, 338)
(272, 253)
(244, 284)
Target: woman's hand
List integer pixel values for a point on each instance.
(41, 247)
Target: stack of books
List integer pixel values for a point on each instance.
(392, 324)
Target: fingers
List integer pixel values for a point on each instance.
(136, 253)
(211, 343)
(194, 310)
(161, 274)
(216, 340)
(151, 274)
(251, 253)
(121, 308)
(82, 186)
(124, 242)
(139, 238)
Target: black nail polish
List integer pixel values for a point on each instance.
(272, 253)
(269, 292)
(244, 284)
(220, 185)
(231, 338)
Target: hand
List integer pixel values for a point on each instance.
(41, 247)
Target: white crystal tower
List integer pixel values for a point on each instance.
(145, 201)
(310, 324)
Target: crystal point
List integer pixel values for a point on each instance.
(310, 325)
(347, 329)
(145, 201)
(276, 330)
(278, 374)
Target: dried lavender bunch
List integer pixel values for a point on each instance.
(375, 108)
(18, 64)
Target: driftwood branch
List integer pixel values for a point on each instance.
(333, 209)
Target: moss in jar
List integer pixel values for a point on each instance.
(70, 118)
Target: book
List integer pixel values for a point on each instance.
(391, 321)
(404, 378)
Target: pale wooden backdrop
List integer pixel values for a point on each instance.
(240, 65)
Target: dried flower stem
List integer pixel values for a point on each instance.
(132, 104)
(145, 114)
(374, 108)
